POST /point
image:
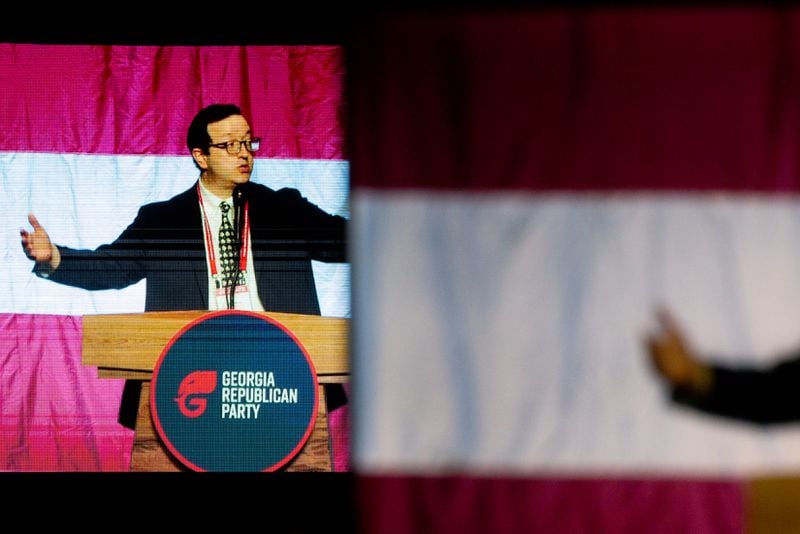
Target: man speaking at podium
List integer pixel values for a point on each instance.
(224, 243)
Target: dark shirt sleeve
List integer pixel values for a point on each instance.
(309, 230)
(111, 266)
(769, 395)
(330, 242)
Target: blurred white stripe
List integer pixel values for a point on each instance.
(501, 333)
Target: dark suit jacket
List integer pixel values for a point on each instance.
(763, 395)
(165, 246)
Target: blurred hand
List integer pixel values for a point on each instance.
(674, 360)
(37, 244)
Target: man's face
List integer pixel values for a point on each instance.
(224, 171)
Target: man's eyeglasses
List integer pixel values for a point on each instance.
(233, 147)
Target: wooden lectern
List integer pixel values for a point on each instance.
(129, 346)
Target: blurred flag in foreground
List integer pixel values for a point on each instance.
(529, 186)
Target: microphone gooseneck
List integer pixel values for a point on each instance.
(239, 202)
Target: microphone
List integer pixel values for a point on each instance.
(239, 201)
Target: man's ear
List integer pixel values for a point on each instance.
(200, 158)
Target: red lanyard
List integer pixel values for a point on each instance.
(212, 259)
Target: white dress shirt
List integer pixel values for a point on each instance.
(247, 295)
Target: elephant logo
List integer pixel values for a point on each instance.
(195, 383)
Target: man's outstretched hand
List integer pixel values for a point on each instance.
(37, 244)
(673, 358)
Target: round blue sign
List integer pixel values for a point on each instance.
(234, 391)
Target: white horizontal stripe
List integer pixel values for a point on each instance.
(86, 200)
(502, 333)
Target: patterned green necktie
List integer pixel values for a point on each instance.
(226, 246)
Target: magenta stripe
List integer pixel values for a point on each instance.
(666, 98)
(464, 505)
(55, 413)
(140, 99)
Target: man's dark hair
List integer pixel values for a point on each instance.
(198, 130)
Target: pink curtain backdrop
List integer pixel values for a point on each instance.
(56, 415)
(140, 99)
(339, 434)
